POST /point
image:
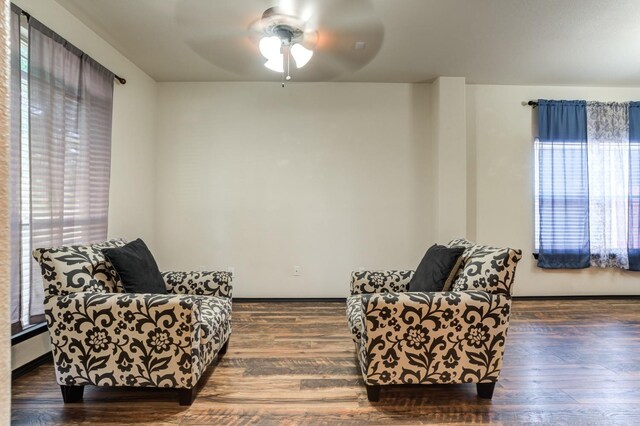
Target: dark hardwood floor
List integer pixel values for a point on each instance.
(567, 362)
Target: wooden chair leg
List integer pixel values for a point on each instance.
(223, 349)
(71, 393)
(485, 390)
(187, 395)
(373, 393)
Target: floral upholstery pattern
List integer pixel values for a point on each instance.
(469, 249)
(439, 337)
(488, 268)
(104, 337)
(205, 283)
(215, 329)
(78, 268)
(460, 242)
(354, 317)
(380, 281)
(450, 337)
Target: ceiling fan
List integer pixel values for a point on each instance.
(284, 37)
(256, 38)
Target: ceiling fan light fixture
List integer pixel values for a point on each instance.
(301, 55)
(280, 39)
(275, 63)
(270, 47)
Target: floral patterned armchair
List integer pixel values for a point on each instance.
(104, 337)
(442, 337)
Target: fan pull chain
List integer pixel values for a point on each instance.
(286, 54)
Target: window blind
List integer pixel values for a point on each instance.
(62, 155)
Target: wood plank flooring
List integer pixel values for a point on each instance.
(567, 362)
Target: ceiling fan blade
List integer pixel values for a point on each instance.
(217, 19)
(234, 54)
(226, 34)
(353, 49)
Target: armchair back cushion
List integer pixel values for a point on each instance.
(486, 268)
(72, 269)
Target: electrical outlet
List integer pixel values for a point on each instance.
(232, 270)
(297, 271)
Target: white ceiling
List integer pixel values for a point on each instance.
(555, 42)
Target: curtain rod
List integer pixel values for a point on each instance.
(532, 103)
(120, 80)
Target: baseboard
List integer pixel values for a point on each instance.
(31, 365)
(29, 333)
(288, 299)
(343, 299)
(579, 297)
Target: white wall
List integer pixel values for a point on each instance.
(131, 200)
(450, 143)
(333, 176)
(326, 176)
(501, 132)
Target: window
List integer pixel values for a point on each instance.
(61, 106)
(587, 185)
(25, 192)
(561, 170)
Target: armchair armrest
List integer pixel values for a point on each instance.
(391, 281)
(202, 283)
(450, 337)
(123, 339)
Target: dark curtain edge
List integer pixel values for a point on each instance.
(37, 319)
(566, 259)
(633, 253)
(48, 32)
(573, 102)
(16, 324)
(634, 126)
(16, 328)
(16, 9)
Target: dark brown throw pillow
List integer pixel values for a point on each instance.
(136, 267)
(434, 268)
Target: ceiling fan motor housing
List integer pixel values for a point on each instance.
(289, 29)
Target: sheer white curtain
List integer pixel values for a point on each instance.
(608, 151)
